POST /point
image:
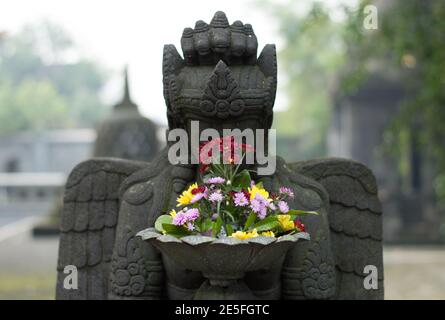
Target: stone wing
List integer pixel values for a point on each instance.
(355, 220)
(88, 224)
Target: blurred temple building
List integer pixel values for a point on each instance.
(34, 167)
(46, 151)
(124, 133)
(357, 131)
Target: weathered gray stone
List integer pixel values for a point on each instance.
(221, 82)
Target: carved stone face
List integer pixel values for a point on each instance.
(222, 97)
(220, 82)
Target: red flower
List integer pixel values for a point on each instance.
(247, 147)
(200, 189)
(225, 146)
(246, 194)
(300, 226)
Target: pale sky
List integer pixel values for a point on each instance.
(133, 32)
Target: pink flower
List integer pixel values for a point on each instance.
(240, 199)
(216, 197)
(198, 196)
(179, 219)
(272, 206)
(192, 214)
(190, 226)
(188, 217)
(283, 206)
(259, 205)
(262, 214)
(215, 180)
(287, 191)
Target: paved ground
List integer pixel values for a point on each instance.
(27, 269)
(414, 273)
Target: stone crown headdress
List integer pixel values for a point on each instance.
(220, 75)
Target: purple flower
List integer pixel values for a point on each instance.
(216, 197)
(188, 217)
(287, 191)
(192, 214)
(190, 226)
(255, 205)
(240, 200)
(215, 180)
(262, 214)
(259, 205)
(198, 197)
(272, 206)
(179, 219)
(283, 206)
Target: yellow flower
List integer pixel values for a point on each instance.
(285, 222)
(268, 234)
(186, 196)
(245, 235)
(257, 190)
(173, 213)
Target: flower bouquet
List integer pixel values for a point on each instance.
(225, 224)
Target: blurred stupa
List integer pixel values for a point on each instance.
(125, 133)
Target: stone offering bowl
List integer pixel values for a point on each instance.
(223, 261)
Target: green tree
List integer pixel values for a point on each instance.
(40, 65)
(32, 105)
(311, 54)
(409, 41)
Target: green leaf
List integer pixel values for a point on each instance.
(165, 218)
(216, 229)
(260, 185)
(300, 212)
(176, 231)
(206, 225)
(250, 220)
(266, 224)
(229, 229)
(242, 179)
(230, 215)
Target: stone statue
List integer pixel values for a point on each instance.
(125, 133)
(220, 82)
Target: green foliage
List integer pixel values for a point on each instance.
(175, 231)
(250, 220)
(310, 56)
(31, 105)
(410, 43)
(216, 227)
(163, 219)
(44, 82)
(242, 179)
(269, 223)
(295, 213)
